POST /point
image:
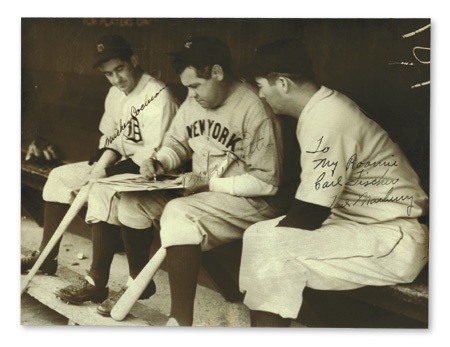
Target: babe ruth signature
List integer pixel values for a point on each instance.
(197, 182)
(252, 144)
(134, 113)
(364, 177)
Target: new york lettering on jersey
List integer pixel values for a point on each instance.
(215, 130)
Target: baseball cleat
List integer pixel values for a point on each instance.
(83, 291)
(49, 267)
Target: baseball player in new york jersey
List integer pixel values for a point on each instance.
(354, 221)
(232, 139)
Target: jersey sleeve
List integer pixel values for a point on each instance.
(325, 144)
(176, 139)
(262, 146)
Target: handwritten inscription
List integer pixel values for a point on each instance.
(362, 174)
(134, 113)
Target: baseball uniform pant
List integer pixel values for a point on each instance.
(102, 205)
(64, 182)
(208, 219)
(278, 263)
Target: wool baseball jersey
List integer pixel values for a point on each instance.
(349, 163)
(135, 124)
(243, 125)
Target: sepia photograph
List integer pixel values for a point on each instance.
(248, 174)
(225, 172)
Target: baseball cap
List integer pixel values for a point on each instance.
(282, 56)
(204, 50)
(110, 47)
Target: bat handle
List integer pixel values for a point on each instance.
(134, 291)
(75, 207)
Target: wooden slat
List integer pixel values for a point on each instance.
(43, 289)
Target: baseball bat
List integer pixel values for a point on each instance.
(137, 287)
(73, 210)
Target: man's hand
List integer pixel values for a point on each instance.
(194, 183)
(151, 168)
(96, 174)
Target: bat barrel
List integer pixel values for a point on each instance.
(137, 287)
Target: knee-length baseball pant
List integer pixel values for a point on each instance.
(209, 219)
(64, 182)
(278, 263)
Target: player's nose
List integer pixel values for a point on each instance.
(191, 93)
(116, 78)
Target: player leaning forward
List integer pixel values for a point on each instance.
(354, 220)
(222, 119)
(138, 111)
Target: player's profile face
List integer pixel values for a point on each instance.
(270, 93)
(120, 74)
(204, 91)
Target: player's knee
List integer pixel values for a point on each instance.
(131, 213)
(178, 227)
(174, 207)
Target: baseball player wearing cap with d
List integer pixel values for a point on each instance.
(138, 110)
(354, 221)
(232, 138)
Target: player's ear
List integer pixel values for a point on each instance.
(217, 73)
(134, 60)
(283, 83)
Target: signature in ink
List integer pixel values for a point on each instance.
(134, 112)
(379, 181)
(366, 199)
(321, 184)
(353, 163)
(318, 149)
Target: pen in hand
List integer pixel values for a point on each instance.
(155, 163)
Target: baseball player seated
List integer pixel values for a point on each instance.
(138, 110)
(354, 221)
(232, 138)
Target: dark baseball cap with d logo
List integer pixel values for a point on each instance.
(110, 47)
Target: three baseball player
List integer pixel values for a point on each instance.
(354, 219)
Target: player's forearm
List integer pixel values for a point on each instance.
(125, 166)
(108, 158)
(305, 215)
(168, 158)
(244, 185)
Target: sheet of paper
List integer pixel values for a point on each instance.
(135, 182)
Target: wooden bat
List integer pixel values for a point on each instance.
(75, 207)
(137, 287)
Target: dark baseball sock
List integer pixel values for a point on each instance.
(183, 263)
(137, 243)
(261, 319)
(53, 215)
(105, 238)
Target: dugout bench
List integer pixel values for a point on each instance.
(399, 306)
